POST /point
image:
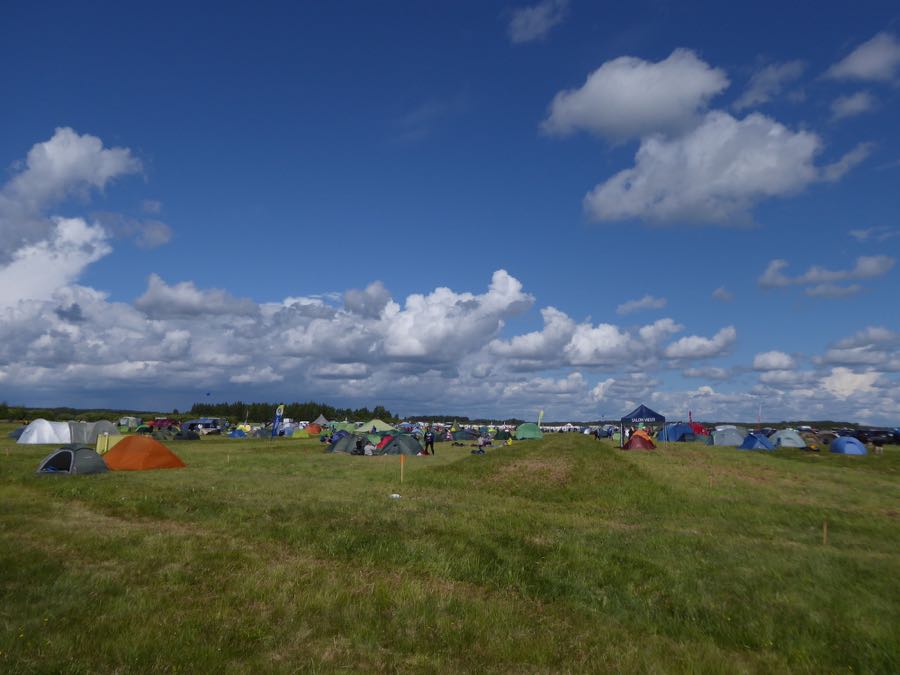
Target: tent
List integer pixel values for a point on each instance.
(640, 440)
(528, 431)
(138, 453)
(88, 432)
(107, 441)
(314, 429)
(679, 432)
(376, 424)
(699, 429)
(787, 438)
(502, 435)
(467, 435)
(345, 426)
(755, 442)
(345, 443)
(299, 433)
(42, 431)
(640, 415)
(847, 445)
(16, 433)
(387, 438)
(129, 422)
(401, 444)
(320, 420)
(725, 436)
(237, 433)
(73, 459)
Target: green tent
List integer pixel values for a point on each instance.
(343, 444)
(528, 431)
(345, 426)
(402, 444)
(378, 425)
(299, 433)
(501, 435)
(73, 459)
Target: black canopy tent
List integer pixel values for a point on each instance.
(640, 415)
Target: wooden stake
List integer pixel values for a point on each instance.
(402, 462)
(825, 532)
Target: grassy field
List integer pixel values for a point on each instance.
(559, 555)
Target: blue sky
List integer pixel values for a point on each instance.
(482, 208)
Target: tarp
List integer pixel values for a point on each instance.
(755, 442)
(42, 431)
(139, 453)
(847, 445)
(72, 459)
(528, 431)
(787, 438)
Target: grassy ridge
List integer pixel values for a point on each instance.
(564, 554)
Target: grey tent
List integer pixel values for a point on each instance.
(320, 420)
(726, 436)
(346, 443)
(73, 459)
(88, 432)
(402, 444)
(15, 433)
(787, 438)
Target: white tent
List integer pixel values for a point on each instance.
(42, 431)
(320, 420)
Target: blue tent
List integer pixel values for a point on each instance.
(847, 445)
(756, 442)
(676, 432)
(237, 433)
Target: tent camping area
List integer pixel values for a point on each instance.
(556, 554)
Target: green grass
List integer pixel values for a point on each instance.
(559, 555)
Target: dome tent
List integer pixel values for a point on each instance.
(756, 442)
(725, 436)
(73, 459)
(402, 444)
(678, 432)
(41, 431)
(640, 440)
(89, 432)
(139, 453)
(528, 431)
(847, 445)
(787, 438)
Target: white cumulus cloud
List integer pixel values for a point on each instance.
(629, 97)
(773, 360)
(852, 105)
(698, 347)
(715, 173)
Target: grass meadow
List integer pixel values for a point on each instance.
(561, 555)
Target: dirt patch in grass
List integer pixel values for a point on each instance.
(552, 473)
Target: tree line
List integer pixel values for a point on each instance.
(239, 411)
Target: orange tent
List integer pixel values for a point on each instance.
(640, 440)
(137, 453)
(313, 429)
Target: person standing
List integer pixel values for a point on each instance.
(429, 441)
